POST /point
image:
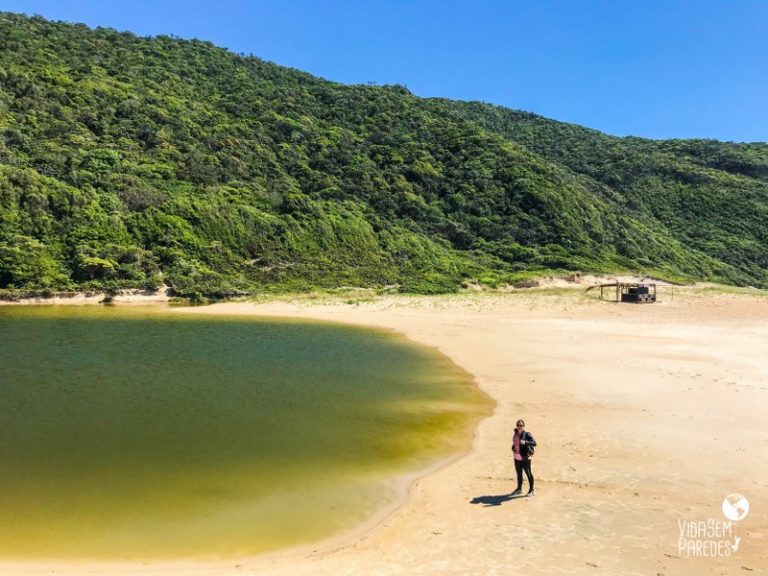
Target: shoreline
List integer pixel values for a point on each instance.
(126, 296)
(663, 374)
(574, 282)
(401, 486)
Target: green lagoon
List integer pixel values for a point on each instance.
(132, 433)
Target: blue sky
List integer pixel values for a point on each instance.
(652, 68)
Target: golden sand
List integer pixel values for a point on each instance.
(646, 416)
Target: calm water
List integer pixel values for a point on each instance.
(132, 433)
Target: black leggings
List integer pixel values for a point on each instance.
(521, 465)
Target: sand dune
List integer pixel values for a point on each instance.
(646, 418)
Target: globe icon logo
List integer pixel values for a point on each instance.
(735, 507)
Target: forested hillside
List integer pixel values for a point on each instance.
(137, 162)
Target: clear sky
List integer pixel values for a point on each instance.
(652, 68)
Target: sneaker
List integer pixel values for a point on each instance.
(531, 493)
(516, 492)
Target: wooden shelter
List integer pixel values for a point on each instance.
(629, 292)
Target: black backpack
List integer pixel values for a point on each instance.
(531, 449)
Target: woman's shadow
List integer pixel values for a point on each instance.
(496, 500)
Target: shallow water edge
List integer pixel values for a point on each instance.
(397, 487)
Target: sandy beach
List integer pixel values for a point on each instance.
(646, 417)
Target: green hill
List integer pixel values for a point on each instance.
(133, 162)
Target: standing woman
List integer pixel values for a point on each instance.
(522, 442)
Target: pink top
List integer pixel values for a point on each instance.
(516, 447)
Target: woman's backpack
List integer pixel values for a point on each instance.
(531, 448)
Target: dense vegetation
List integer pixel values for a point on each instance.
(133, 162)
